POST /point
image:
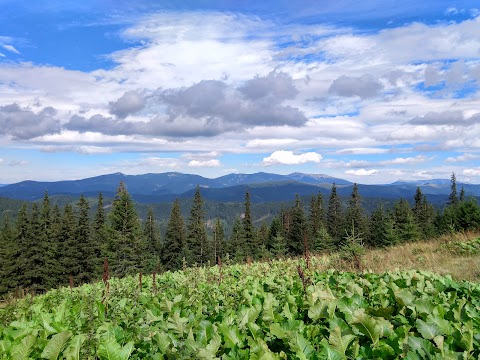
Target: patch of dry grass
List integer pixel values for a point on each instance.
(432, 255)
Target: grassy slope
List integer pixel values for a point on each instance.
(440, 255)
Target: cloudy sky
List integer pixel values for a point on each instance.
(369, 91)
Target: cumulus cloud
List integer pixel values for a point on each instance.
(471, 172)
(204, 163)
(454, 117)
(282, 157)
(128, 104)
(361, 172)
(462, 158)
(347, 86)
(207, 108)
(24, 124)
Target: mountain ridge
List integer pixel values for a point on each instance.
(231, 187)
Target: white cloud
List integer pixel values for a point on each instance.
(361, 172)
(204, 163)
(362, 151)
(462, 158)
(11, 48)
(282, 157)
(471, 172)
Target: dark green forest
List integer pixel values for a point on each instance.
(46, 245)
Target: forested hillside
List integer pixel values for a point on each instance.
(48, 245)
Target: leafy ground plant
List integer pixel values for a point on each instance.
(261, 311)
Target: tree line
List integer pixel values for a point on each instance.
(47, 247)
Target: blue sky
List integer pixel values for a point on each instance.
(370, 91)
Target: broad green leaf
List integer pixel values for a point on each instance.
(428, 331)
(366, 325)
(162, 340)
(439, 341)
(404, 297)
(24, 348)
(111, 350)
(329, 353)
(205, 332)
(231, 335)
(340, 343)
(72, 351)
(301, 346)
(55, 345)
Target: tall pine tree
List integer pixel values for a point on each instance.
(197, 247)
(126, 241)
(173, 250)
(335, 219)
(248, 230)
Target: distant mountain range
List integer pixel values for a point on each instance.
(152, 188)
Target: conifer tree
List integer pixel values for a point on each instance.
(21, 247)
(218, 241)
(335, 216)
(174, 246)
(100, 235)
(316, 217)
(323, 240)
(152, 240)
(248, 230)
(462, 195)
(296, 234)
(86, 243)
(48, 244)
(126, 242)
(261, 251)
(453, 199)
(355, 215)
(7, 259)
(279, 248)
(67, 249)
(377, 227)
(35, 275)
(405, 222)
(236, 244)
(274, 231)
(197, 247)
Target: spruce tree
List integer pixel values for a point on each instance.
(100, 236)
(21, 247)
(218, 241)
(355, 217)
(261, 251)
(279, 247)
(405, 222)
(453, 199)
(126, 242)
(274, 231)
(47, 241)
(335, 216)
(68, 250)
(236, 244)
(174, 246)
(56, 239)
(197, 247)
(7, 259)
(316, 218)
(296, 234)
(248, 230)
(151, 234)
(35, 275)
(86, 243)
(378, 221)
(323, 240)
